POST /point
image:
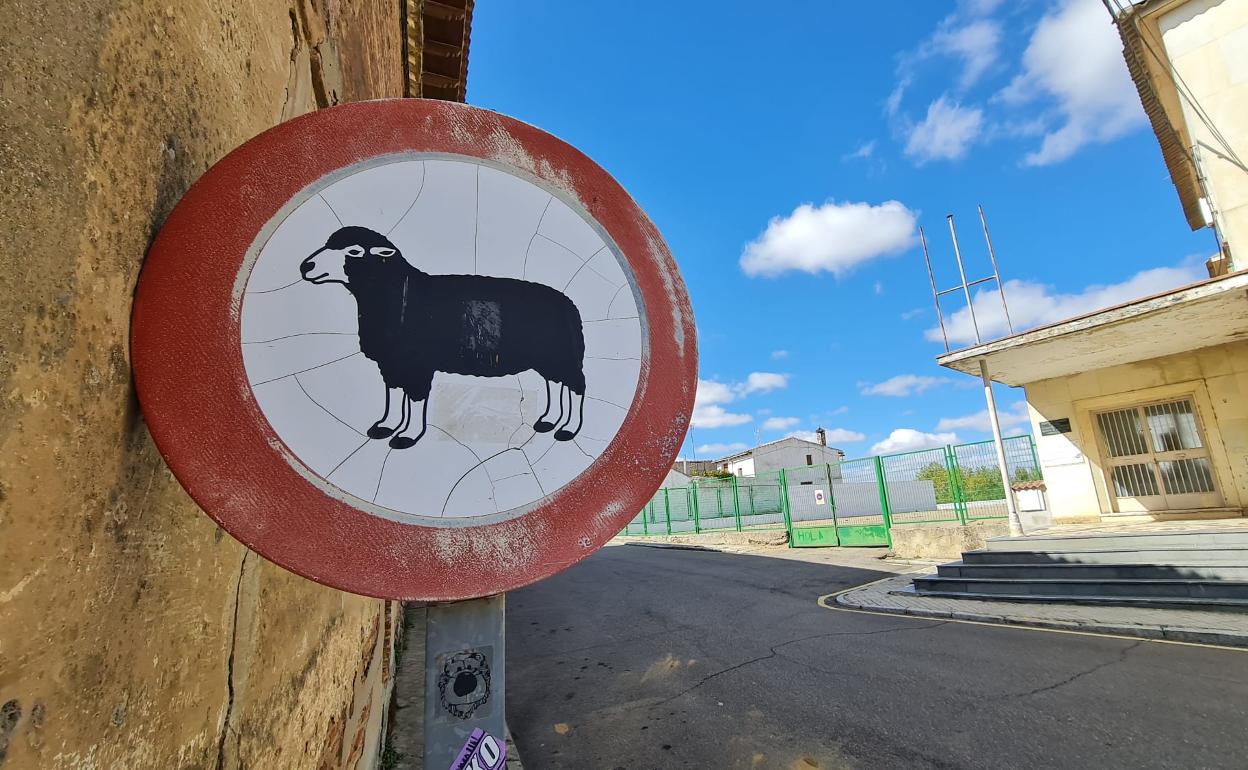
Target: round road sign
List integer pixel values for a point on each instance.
(414, 349)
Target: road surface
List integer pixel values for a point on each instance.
(661, 658)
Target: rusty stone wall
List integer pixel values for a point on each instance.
(133, 632)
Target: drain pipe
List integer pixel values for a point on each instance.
(1016, 525)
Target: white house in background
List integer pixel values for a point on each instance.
(789, 452)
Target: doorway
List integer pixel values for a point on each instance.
(1156, 458)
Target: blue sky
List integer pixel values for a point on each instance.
(789, 156)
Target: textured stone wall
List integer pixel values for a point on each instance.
(133, 632)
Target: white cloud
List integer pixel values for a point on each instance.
(804, 435)
(909, 440)
(892, 105)
(975, 42)
(879, 287)
(1035, 304)
(780, 423)
(1075, 58)
(946, 133)
(708, 409)
(717, 417)
(910, 315)
(779, 355)
(707, 412)
(861, 152)
(762, 382)
(838, 410)
(717, 451)
(901, 385)
(1009, 417)
(833, 237)
(712, 392)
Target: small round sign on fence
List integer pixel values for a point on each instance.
(414, 349)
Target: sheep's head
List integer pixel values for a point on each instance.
(345, 251)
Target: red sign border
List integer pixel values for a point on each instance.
(198, 405)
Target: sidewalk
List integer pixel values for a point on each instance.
(896, 595)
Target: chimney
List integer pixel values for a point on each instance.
(823, 436)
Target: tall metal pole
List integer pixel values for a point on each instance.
(962, 273)
(935, 294)
(1016, 526)
(996, 273)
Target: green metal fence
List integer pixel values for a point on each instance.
(850, 503)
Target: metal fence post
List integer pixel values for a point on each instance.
(719, 501)
(736, 503)
(955, 481)
(955, 495)
(784, 506)
(750, 490)
(831, 498)
(667, 510)
(645, 517)
(697, 524)
(1035, 458)
(880, 482)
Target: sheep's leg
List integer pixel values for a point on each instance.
(392, 418)
(401, 441)
(564, 434)
(543, 425)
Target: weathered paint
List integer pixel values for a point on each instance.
(186, 322)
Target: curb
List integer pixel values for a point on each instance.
(675, 546)
(1201, 636)
(512, 762)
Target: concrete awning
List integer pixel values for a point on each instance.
(1199, 315)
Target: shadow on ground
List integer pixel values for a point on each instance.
(662, 658)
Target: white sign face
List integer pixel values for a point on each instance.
(820, 497)
(433, 337)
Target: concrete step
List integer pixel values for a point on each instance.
(1154, 540)
(1239, 605)
(1231, 556)
(1096, 571)
(1075, 588)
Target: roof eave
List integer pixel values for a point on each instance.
(1148, 74)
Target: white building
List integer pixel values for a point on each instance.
(1139, 410)
(789, 452)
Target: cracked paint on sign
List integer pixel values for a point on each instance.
(484, 451)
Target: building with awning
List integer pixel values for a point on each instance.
(1138, 408)
(1141, 409)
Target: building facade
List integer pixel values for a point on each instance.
(136, 633)
(1141, 410)
(790, 452)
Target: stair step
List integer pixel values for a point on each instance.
(1139, 601)
(1228, 555)
(1136, 541)
(1120, 587)
(1096, 571)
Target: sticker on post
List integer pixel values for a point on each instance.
(820, 497)
(464, 682)
(482, 752)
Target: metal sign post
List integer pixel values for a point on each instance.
(465, 676)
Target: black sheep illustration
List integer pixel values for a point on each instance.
(413, 324)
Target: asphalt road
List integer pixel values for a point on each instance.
(659, 658)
